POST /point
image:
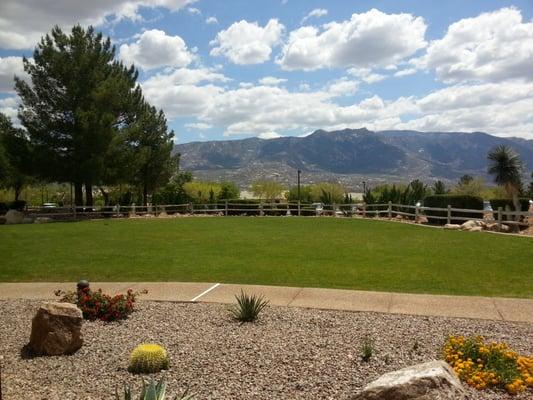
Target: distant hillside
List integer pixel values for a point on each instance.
(349, 156)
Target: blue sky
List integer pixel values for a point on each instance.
(233, 69)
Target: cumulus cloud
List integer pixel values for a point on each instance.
(342, 87)
(9, 106)
(491, 47)
(496, 108)
(154, 49)
(316, 13)
(246, 42)
(194, 11)
(183, 92)
(211, 21)
(9, 67)
(23, 22)
(268, 135)
(366, 75)
(271, 81)
(200, 126)
(368, 40)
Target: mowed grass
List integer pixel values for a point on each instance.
(311, 252)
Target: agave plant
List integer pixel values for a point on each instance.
(248, 307)
(153, 391)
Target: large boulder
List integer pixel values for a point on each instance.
(434, 380)
(14, 217)
(56, 329)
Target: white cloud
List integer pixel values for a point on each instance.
(493, 46)
(9, 67)
(183, 92)
(496, 108)
(23, 22)
(268, 135)
(200, 126)
(271, 81)
(194, 11)
(154, 48)
(366, 75)
(316, 13)
(246, 42)
(342, 87)
(211, 21)
(9, 107)
(368, 40)
(406, 72)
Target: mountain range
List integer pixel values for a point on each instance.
(349, 156)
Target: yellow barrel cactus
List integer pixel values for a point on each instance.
(148, 358)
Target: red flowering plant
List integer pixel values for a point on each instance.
(98, 305)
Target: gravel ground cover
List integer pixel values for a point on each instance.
(289, 354)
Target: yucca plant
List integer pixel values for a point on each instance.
(153, 391)
(248, 307)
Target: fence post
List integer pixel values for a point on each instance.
(226, 208)
(449, 215)
(390, 209)
(499, 218)
(299, 208)
(417, 211)
(364, 210)
(118, 210)
(191, 208)
(261, 212)
(334, 210)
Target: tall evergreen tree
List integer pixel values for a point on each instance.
(15, 157)
(78, 99)
(151, 144)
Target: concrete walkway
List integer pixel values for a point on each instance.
(502, 309)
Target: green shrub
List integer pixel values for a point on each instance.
(148, 358)
(367, 349)
(456, 201)
(152, 391)
(248, 307)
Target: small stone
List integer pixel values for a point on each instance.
(56, 329)
(452, 227)
(43, 220)
(429, 381)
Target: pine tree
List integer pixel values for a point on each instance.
(79, 98)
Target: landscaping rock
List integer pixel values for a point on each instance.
(27, 220)
(455, 227)
(469, 225)
(429, 381)
(43, 220)
(14, 217)
(56, 329)
(475, 229)
(422, 220)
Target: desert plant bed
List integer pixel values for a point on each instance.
(282, 251)
(288, 353)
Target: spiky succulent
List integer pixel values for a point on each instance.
(148, 358)
(153, 391)
(248, 307)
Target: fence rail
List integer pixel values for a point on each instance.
(388, 210)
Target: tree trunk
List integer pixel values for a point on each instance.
(78, 194)
(18, 191)
(516, 203)
(105, 195)
(88, 194)
(145, 195)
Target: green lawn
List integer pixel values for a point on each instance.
(319, 252)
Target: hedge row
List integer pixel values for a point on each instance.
(455, 201)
